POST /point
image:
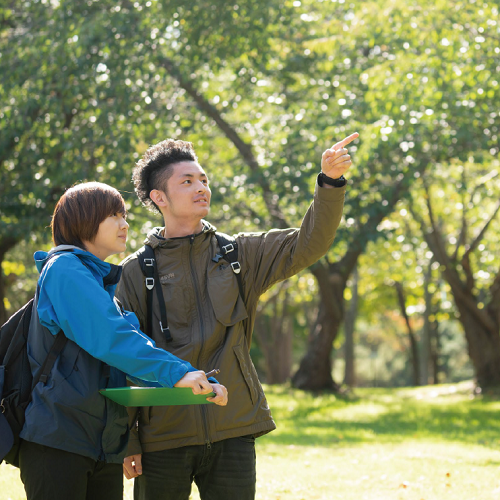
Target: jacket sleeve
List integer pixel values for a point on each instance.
(280, 253)
(71, 299)
(134, 443)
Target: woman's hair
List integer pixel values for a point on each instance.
(80, 211)
(154, 169)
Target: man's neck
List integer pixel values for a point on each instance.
(177, 228)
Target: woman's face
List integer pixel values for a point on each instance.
(111, 237)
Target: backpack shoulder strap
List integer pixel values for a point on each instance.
(43, 374)
(13, 333)
(147, 262)
(228, 248)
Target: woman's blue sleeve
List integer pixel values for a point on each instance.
(71, 299)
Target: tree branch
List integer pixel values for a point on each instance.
(435, 241)
(494, 305)
(462, 237)
(369, 230)
(481, 234)
(229, 131)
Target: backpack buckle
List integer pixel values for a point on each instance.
(228, 248)
(217, 258)
(166, 331)
(236, 267)
(149, 262)
(150, 282)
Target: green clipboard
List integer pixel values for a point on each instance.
(156, 396)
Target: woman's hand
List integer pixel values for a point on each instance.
(197, 381)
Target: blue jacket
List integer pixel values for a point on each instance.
(75, 294)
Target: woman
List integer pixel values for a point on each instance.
(74, 439)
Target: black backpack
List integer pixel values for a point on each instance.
(228, 250)
(16, 380)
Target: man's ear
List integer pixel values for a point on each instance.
(159, 198)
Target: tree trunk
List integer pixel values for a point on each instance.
(434, 353)
(279, 356)
(275, 337)
(411, 335)
(349, 328)
(426, 331)
(484, 347)
(315, 370)
(5, 245)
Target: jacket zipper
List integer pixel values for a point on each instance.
(198, 305)
(102, 455)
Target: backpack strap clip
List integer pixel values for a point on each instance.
(228, 245)
(149, 268)
(228, 248)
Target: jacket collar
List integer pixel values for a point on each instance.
(155, 238)
(110, 273)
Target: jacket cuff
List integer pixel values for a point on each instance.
(134, 446)
(179, 373)
(333, 194)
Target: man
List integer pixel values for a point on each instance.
(211, 323)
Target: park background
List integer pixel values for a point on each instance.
(409, 293)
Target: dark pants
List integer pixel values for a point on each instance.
(52, 474)
(222, 471)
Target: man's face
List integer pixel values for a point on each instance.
(187, 192)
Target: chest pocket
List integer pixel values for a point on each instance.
(176, 299)
(179, 310)
(224, 294)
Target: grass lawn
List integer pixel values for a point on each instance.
(429, 443)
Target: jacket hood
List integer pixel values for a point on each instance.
(109, 272)
(155, 238)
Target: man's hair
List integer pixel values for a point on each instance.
(154, 169)
(80, 211)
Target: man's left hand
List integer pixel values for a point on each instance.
(220, 397)
(336, 161)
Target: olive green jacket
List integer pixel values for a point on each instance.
(212, 325)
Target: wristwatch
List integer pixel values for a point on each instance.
(324, 179)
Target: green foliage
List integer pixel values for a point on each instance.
(86, 88)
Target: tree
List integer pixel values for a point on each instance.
(413, 88)
(459, 207)
(97, 96)
(61, 120)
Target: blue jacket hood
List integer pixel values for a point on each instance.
(109, 273)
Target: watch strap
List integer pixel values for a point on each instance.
(324, 179)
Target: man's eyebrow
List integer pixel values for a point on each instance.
(192, 175)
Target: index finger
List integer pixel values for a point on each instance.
(345, 141)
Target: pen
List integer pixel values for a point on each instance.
(212, 373)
